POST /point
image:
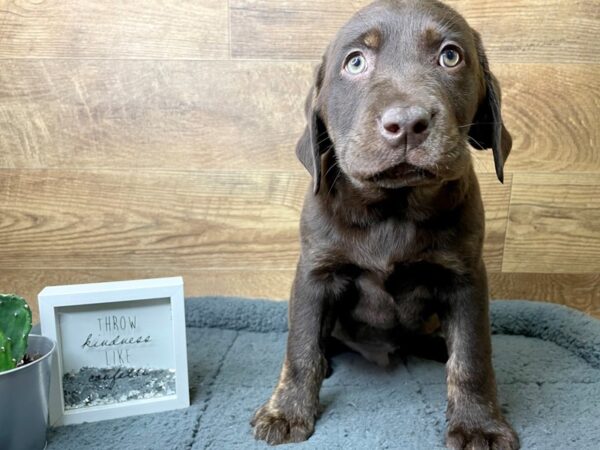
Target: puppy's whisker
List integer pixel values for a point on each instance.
(479, 162)
(472, 139)
(333, 166)
(478, 123)
(334, 181)
(325, 139)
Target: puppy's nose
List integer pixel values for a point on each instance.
(405, 124)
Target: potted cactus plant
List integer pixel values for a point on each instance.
(25, 366)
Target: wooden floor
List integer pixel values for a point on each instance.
(157, 138)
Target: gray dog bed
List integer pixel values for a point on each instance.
(547, 361)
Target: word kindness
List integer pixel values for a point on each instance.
(92, 342)
(122, 333)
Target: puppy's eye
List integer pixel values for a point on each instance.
(356, 63)
(450, 56)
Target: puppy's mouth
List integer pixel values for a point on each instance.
(403, 174)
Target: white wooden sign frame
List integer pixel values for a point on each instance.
(102, 295)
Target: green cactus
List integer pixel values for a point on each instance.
(6, 362)
(15, 325)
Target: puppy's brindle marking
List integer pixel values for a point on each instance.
(393, 228)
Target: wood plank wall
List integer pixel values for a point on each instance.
(155, 138)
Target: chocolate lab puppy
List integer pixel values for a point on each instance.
(393, 225)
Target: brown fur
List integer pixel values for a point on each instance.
(392, 230)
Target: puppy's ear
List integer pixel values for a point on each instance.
(488, 130)
(315, 140)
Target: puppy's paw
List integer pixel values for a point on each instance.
(275, 427)
(494, 434)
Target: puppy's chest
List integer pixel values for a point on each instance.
(407, 297)
(398, 276)
(380, 246)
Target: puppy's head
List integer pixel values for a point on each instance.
(401, 90)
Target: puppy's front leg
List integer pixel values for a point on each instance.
(474, 418)
(290, 413)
